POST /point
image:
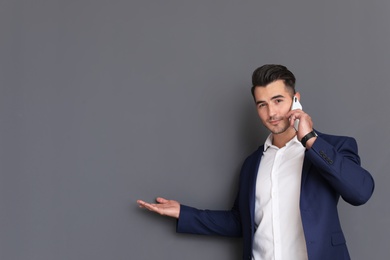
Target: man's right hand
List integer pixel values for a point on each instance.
(170, 208)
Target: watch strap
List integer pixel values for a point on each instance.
(307, 137)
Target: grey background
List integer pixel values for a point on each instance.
(106, 102)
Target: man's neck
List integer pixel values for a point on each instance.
(280, 140)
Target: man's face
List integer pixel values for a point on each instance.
(273, 102)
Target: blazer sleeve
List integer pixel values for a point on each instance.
(339, 164)
(209, 222)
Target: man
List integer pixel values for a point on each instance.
(286, 206)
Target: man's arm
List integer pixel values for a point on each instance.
(206, 222)
(339, 164)
(210, 222)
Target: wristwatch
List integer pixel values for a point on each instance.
(307, 137)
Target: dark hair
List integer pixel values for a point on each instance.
(269, 73)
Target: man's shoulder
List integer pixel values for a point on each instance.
(331, 136)
(253, 158)
(336, 139)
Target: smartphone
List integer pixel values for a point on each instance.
(296, 105)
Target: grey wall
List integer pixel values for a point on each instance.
(106, 102)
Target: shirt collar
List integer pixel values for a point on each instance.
(268, 142)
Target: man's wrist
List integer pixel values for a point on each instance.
(307, 137)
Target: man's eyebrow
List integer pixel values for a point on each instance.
(273, 98)
(277, 96)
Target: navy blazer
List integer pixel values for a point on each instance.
(331, 169)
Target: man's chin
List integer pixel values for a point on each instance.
(277, 131)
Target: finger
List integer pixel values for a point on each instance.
(145, 205)
(141, 203)
(295, 113)
(152, 207)
(292, 119)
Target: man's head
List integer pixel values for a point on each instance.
(273, 89)
(269, 73)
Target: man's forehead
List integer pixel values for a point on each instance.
(272, 90)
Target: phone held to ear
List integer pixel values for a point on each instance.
(296, 105)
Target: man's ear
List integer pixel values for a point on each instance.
(298, 95)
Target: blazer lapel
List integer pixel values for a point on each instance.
(252, 182)
(305, 171)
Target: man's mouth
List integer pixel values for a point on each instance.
(274, 121)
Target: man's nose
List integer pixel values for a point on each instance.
(271, 110)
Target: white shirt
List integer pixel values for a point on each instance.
(279, 234)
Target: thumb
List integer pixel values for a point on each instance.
(161, 200)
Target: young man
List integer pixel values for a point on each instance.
(286, 206)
